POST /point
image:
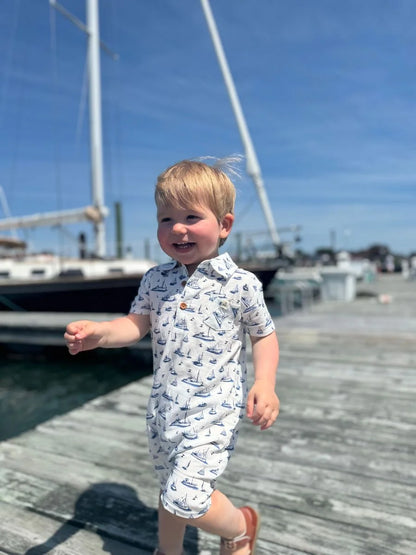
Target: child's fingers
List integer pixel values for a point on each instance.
(70, 337)
(250, 405)
(74, 334)
(74, 347)
(264, 416)
(74, 327)
(76, 330)
(270, 421)
(257, 416)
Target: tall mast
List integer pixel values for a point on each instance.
(96, 145)
(252, 164)
(92, 30)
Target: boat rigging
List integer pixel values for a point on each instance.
(252, 164)
(53, 283)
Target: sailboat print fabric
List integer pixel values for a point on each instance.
(199, 327)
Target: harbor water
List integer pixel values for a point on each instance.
(38, 384)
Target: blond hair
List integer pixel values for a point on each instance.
(190, 182)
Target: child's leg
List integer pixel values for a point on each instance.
(222, 519)
(225, 520)
(171, 532)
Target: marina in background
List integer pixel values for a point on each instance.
(93, 282)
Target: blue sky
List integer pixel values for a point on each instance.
(328, 90)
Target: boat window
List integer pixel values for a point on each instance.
(38, 272)
(72, 272)
(115, 271)
(4, 274)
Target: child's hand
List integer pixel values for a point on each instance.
(82, 336)
(262, 404)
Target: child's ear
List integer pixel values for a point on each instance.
(226, 225)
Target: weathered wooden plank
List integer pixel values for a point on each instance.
(360, 347)
(333, 482)
(48, 466)
(370, 368)
(336, 505)
(90, 441)
(26, 532)
(110, 452)
(319, 536)
(296, 420)
(345, 396)
(362, 461)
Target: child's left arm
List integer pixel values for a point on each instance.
(262, 401)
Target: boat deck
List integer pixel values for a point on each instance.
(336, 474)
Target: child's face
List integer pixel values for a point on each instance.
(191, 235)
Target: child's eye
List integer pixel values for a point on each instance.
(164, 220)
(192, 217)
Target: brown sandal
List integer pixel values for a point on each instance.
(249, 537)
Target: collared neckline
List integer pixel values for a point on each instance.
(171, 264)
(222, 264)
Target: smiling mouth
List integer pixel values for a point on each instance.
(183, 246)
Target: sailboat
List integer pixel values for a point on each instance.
(88, 283)
(96, 283)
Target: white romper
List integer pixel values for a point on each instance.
(199, 327)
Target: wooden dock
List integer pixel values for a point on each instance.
(336, 475)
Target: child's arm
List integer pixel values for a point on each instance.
(262, 401)
(84, 335)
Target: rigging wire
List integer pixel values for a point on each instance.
(4, 90)
(18, 119)
(118, 125)
(108, 109)
(8, 56)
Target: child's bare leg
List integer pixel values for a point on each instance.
(171, 532)
(223, 519)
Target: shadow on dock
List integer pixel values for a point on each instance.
(108, 509)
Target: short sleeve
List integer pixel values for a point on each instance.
(254, 312)
(141, 303)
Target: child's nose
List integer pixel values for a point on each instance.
(179, 227)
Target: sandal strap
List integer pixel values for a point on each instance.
(235, 543)
(249, 535)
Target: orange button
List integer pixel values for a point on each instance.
(182, 306)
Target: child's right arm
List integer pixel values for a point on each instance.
(84, 335)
